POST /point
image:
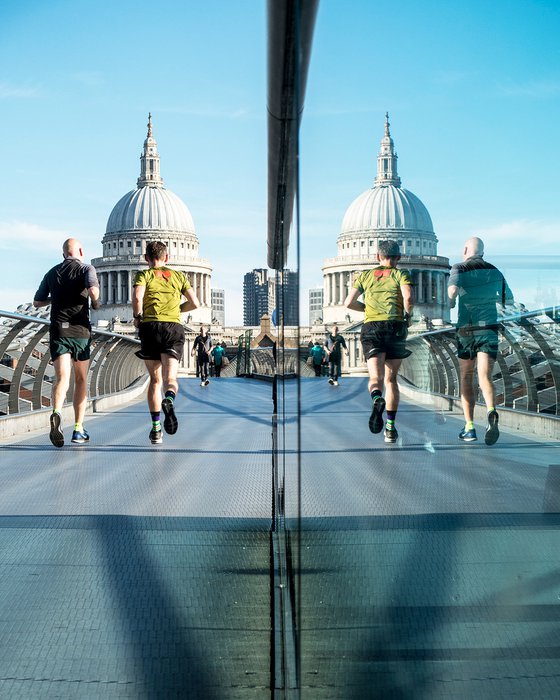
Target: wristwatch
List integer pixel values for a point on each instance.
(139, 317)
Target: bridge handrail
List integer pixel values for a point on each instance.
(526, 374)
(27, 374)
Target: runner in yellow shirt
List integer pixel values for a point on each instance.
(157, 307)
(388, 304)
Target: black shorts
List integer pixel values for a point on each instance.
(387, 337)
(161, 337)
(472, 341)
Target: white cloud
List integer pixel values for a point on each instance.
(522, 236)
(452, 77)
(18, 91)
(89, 78)
(29, 239)
(535, 89)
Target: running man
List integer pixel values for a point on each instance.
(388, 305)
(201, 346)
(157, 308)
(333, 344)
(68, 288)
(480, 287)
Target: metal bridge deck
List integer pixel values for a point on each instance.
(427, 569)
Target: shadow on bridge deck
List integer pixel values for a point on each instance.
(426, 569)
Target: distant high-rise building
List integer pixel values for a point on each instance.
(218, 306)
(315, 305)
(286, 297)
(267, 292)
(255, 296)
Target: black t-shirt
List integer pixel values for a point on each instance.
(481, 286)
(202, 344)
(333, 343)
(67, 286)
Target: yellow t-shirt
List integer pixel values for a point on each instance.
(162, 297)
(381, 287)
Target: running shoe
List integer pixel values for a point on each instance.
(376, 418)
(391, 433)
(170, 423)
(468, 435)
(335, 383)
(79, 437)
(492, 431)
(155, 436)
(56, 435)
(202, 383)
(331, 381)
(206, 382)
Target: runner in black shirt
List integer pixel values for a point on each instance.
(68, 287)
(479, 287)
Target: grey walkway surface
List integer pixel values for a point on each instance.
(129, 570)
(426, 569)
(430, 569)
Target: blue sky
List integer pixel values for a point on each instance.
(473, 92)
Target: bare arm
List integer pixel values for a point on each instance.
(138, 302)
(408, 300)
(38, 304)
(93, 293)
(452, 292)
(191, 302)
(351, 301)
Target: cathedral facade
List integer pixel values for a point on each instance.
(149, 212)
(386, 211)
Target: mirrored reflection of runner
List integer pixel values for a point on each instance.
(479, 287)
(334, 342)
(388, 308)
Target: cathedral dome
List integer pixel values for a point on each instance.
(386, 209)
(150, 208)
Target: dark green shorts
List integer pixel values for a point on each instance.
(471, 342)
(77, 347)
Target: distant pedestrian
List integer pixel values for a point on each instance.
(318, 355)
(201, 347)
(157, 307)
(480, 287)
(334, 342)
(68, 288)
(388, 305)
(217, 355)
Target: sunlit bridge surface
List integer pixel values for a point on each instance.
(425, 569)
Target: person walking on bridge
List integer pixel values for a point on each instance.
(318, 354)
(201, 347)
(333, 344)
(479, 287)
(217, 354)
(68, 288)
(157, 308)
(388, 305)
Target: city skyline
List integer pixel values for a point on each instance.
(473, 95)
